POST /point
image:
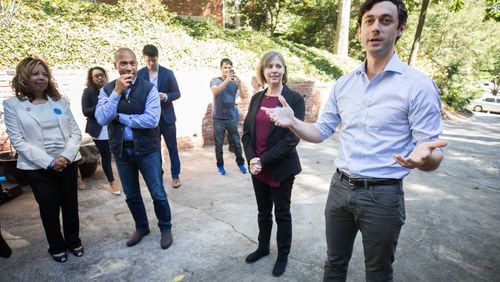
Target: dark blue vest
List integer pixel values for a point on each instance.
(146, 140)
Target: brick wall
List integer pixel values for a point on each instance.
(193, 109)
(212, 10)
(206, 9)
(308, 89)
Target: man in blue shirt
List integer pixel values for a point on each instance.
(390, 123)
(164, 80)
(224, 89)
(130, 107)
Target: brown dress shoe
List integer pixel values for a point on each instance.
(136, 237)
(176, 183)
(166, 240)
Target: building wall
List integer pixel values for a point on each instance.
(212, 10)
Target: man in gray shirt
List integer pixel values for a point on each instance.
(224, 89)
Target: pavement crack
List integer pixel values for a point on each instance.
(307, 262)
(245, 236)
(216, 218)
(416, 242)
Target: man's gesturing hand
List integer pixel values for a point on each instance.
(281, 116)
(421, 156)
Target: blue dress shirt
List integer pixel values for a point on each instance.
(108, 105)
(389, 114)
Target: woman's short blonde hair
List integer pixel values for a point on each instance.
(268, 57)
(21, 81)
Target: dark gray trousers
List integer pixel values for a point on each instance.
(378, 212)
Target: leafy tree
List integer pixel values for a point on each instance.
(263, 15)
(313, 23)
(493, 10)
(459, 51)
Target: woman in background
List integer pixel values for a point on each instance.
(47, 139)
(273, 160)
(96, 78)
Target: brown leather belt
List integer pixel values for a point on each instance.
(360, 182)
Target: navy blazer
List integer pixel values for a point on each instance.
(90, 97)
(281, 156)
(166, 84)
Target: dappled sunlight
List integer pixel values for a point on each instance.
(311, 180)
(414, 192)
(468, 139)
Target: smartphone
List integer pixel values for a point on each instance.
(231, 74)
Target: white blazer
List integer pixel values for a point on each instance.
(26, 136)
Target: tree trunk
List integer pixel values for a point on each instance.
(237, 23)
(341, 43)
(418, 33)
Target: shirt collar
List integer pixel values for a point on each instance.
(394, 65)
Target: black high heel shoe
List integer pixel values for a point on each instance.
(78, 251)
(62, 257)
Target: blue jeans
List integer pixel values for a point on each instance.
(149, 165)
(378, 212)
(220, 127)
(169, 133)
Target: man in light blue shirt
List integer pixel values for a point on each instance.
(130, 107)
(390, 123)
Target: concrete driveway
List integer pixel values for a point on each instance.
(452, 232)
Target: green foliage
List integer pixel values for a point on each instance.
(314, 24)
(254, 14)
(455, 92)
(199, 29)
(79, 34)
(314, 58)
(493, 10)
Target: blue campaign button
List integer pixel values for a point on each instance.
(57, 111)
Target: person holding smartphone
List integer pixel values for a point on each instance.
(273, 159)
(225, 88)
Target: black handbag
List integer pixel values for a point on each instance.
(10, 190)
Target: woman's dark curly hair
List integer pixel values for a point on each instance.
(90, 81)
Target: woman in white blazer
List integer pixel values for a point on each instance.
(47, 139)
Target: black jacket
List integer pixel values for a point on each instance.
(281, 157)
(89, 101)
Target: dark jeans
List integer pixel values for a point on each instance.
(280, 196)
(149, 165)
(231, 125)
(378, 212)
(105, 152)
(169, 132)
(56, 192)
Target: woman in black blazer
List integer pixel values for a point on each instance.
(96, 78)
(273, 159)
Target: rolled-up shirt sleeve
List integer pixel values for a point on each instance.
(151, 116)
(106, 107)
(329, 118)
(425, 112)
